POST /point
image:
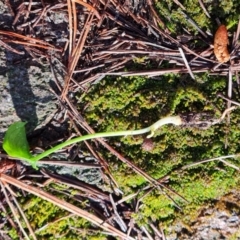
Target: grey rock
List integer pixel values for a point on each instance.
(25, 94)
(24, 83)
(218, 220)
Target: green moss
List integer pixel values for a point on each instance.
(171, 14)
(137, 103)
(130, 181)
(13, 234)
(51, 222)
(40, 212)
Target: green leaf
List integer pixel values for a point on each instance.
(15, 142)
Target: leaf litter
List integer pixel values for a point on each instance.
(103, 38)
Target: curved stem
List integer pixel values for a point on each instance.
(167, 120)
(88, 137)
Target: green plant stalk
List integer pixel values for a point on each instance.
(16, 145)
(176, 120)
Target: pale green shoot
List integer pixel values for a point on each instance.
(16, 145)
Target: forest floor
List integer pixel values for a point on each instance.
(71, 68)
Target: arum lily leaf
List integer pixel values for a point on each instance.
(15, 142)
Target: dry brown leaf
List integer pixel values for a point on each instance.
(220, 44)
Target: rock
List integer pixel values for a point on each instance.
(218, 220)
(24, 83)
(25, 95)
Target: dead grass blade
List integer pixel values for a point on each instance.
(179, 4)
(28, 10)
(147, 233)
(75, 50)
(64, 205)
(156, 16)
(75, 53)
(235, 41)
(229, 164)
(74, 11)
(227, 99)
(186, 63)
(203, 8)
(229, 93)
(10, 8)
(89, 7)
(87, 188)
(9, 219)
(9, 48)
(13, 209)
(118, 218)
(215, 159)
(157, 232)
(55, 221)
(22, 214)
(151, 53)
(228, 105)
(194, 24)
(26, 38)
(70, 47)
(35, 45)
(44, 11)
(72, 164)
